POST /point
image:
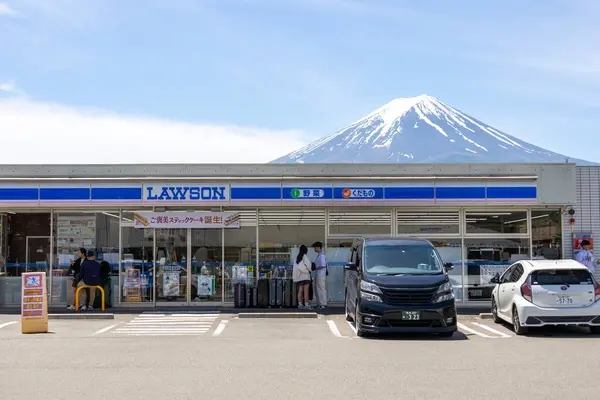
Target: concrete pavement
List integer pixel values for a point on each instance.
(154, 356)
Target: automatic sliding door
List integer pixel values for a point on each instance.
(171, 266)
(207, 282)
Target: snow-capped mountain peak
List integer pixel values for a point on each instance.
(420, 129)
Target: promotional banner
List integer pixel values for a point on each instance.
(578, 238)
(34, 303)
(203, 220)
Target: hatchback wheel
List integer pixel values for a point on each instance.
(519, 330)
(495, 312)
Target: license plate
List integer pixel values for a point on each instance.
(411, 315)
(564, 300)
(476, 293)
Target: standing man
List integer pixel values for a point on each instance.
(75, 270)
(586, 256)
(90, 276)
(320, 275)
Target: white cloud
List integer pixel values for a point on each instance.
(5, 9)
(41, 133)
(10, 87)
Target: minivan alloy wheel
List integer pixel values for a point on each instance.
(359, 332)
(348, 316)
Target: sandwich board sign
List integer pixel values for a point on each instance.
(34, 303)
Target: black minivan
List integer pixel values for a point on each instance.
(398, 285)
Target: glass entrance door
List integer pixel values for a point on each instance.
(171, 264)
(208, 279)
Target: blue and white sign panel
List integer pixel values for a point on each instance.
(353, 193)
(255, 193)
(184, 193)
(409, 193)
(511, 192)
(265, 193)
(307, 193)
(65, 193)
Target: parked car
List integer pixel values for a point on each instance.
(398, 285)
(546, 292)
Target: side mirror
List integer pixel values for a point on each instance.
(495, 280)
(449, 266)
(350, 267)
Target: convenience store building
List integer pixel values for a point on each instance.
(184, 234)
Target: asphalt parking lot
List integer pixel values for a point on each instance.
(220, 356)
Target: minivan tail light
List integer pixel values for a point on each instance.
(526, 291)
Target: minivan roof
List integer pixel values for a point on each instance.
(396, 242)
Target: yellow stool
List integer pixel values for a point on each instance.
(87, 287)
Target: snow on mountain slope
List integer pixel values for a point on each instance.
(420, 129)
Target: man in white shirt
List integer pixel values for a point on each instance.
(586, 256)
(320, 275)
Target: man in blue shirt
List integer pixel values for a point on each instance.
(320, 275)
(90, 276)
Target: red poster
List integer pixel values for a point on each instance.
(578, 238)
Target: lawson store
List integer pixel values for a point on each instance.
(184, 234)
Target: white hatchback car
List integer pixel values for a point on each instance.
(537, 293)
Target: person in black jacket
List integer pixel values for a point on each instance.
(90, 276)
(75, 271)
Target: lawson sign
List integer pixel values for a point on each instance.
(185, 192)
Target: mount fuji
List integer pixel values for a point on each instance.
(421, 129)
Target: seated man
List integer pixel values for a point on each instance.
(90, 276)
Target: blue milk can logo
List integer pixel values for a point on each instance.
(183, 193)
(307, 193)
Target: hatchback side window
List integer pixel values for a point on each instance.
(507, 275)
(517, 273)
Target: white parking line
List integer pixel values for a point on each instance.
(352, 327)
(7, 324)
(473, 331)
(487, 328)
(334, 329)
(220, 328)
(108, 328)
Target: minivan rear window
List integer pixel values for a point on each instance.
(561, 277)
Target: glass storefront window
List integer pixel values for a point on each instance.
(546, 234)
(137, 271)
(450, 251)
(337, 254)
(25, 248)
(428, 223)
(281, 233)
(486, 258)
(171, 265)
(240, 253)
(496, 222)
(368, 222)
(97, 231)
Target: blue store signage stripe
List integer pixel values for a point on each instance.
(19, 194)
(409, 193)
(117, 193)
(255, 193)
(512, 192)
(64, 194)
(467, 193)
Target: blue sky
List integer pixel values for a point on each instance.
(281, 73)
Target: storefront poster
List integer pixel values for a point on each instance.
(488, 271)
(205, 220)
(34, 303)
(206, 285)
(580, 237)
(171, 283)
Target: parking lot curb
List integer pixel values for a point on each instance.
(485, 315)
(279, 315)
(81, 316)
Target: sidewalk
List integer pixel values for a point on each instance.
(463, 309)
